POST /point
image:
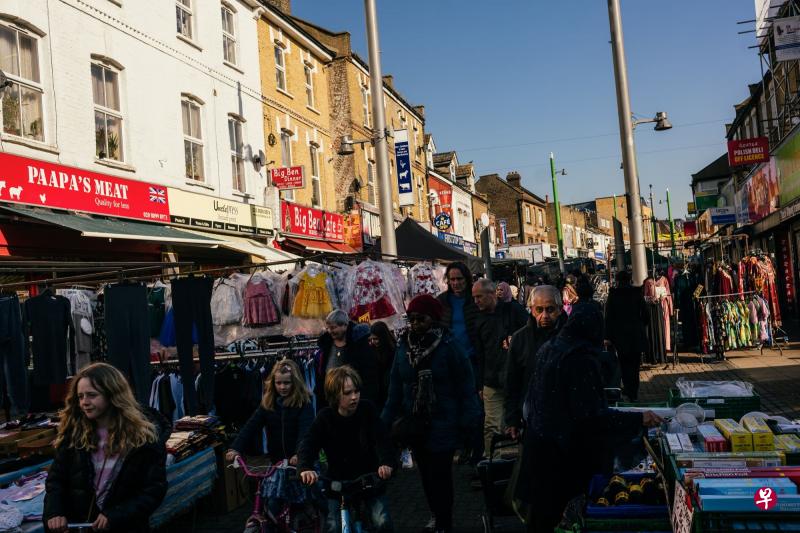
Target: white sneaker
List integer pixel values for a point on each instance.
(406, 460)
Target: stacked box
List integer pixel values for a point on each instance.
(675, 444)
(763, 439)
(729, 459)
(739, 438)
(712, 439)
(787, 503)
(743, 486)
(787, 443)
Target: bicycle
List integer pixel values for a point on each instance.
(352, 495)
(292, 517)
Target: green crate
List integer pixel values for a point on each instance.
(724, 407)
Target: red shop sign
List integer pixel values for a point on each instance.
(787, 269)
(287, 177)
(310, 222)
(33, 182)
(748, 151)
(444, 196)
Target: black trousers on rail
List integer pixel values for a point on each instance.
(128, 335)
(191, 303)
(12, 352)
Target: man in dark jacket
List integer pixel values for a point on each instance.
(568, 420)
(626, 318)
(347, 343)
(544, 323)
(498, 322)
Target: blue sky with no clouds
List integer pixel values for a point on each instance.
(506, 82)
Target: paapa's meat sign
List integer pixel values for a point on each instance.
(43, 184)
(310, 222)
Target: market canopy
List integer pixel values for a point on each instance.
(415, 241)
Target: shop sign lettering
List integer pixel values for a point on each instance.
(43, 184)
(748, 151)
(310, 222)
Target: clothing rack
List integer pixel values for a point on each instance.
(106, 275)
(727, 295)
(272, 349)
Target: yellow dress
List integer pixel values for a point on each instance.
(312, 299)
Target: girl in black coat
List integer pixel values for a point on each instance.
(285, 412)
(109, 467)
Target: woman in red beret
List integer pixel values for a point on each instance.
(432, 403)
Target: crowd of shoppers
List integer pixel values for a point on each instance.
(473, 364)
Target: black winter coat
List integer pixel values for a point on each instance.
(137, 491)
(286, 426)
(471, 317)
(525, 344)
(356, 353)
(493, 331)
(626, 318)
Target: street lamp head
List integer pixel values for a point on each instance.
(563, 172)
(346, 147)
(662, 123)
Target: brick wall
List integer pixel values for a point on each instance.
(502, 202)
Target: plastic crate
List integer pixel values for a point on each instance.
(622, 512)
(719, 522)
(724, 407)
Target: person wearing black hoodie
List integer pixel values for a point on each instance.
(568, 419)
(626, 318)
(347, 343)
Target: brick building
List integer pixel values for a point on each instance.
(522, 210)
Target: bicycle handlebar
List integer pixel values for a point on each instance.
(239, 463)
(362, 483)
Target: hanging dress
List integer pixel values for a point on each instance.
(312, 299)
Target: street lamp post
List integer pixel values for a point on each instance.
(557, 209)
(388, 240)
(671, 225)
(654, 224)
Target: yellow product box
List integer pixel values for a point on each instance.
(741, 440)
(763, 439)
(787, 443)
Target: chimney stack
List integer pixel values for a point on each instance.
(284, 6)
(388, 79)
(514, 179)
(420, 109)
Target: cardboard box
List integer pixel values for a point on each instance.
(743, 486)
(763, 439)
(711, 439)
(785, 503)
(739, 438)
(787, 443)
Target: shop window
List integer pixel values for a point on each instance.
(237, 154)
(365, 105)
(527, 214)
(192, 140)
(21, 100)
(107, 112)
(228, 34)
(183, 17)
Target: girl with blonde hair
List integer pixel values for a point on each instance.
(285, 412)
(110, 466)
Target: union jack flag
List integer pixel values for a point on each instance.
(158, 195)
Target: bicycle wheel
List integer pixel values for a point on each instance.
(306, 518)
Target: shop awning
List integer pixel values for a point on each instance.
(112, 228)
(318, 246)
(249, 246)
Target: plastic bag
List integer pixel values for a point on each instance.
(707, 389)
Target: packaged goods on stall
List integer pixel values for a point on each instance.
(787, 443)
(729, 459)
(763, 439)
(739, 438)
(712, 439)
(742, 486)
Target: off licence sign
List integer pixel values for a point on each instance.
(287, 177)
(43, 184)
(748, 151)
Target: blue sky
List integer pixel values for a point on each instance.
(506, 82)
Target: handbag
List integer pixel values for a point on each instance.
(410, 431)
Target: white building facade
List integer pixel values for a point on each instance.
(161, 91)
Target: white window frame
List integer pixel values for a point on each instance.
(184, 10)
(24, 84)
(286, 158)
(316, 184)
(229, 35)
(280, 68)
(371, 192)
(236, 143)
(417, 148)
(111, 112)
(365, 105)
(193, 141)
(308, 71)
(527, 214)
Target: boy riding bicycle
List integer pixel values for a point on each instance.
(355, 443)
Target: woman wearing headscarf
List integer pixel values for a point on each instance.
(431, 403)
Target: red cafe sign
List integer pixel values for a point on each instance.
(748, 151)
(34, 182)
(309, 222)
(287, 177)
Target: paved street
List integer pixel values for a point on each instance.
(775, 377)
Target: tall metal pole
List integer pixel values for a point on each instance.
(557, 209)
(671, 225)
(655, 229)
(634, 202)
(388, 238)
(615, 206)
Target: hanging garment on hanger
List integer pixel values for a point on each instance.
(665, 299)
(227, 306)
(48, 322)
(12, 352)
(423, 280)
(83, 323)
(259, 305)
(156, 308)
(371, 299)
(191, 301)
(313, 299)
(128, 333)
